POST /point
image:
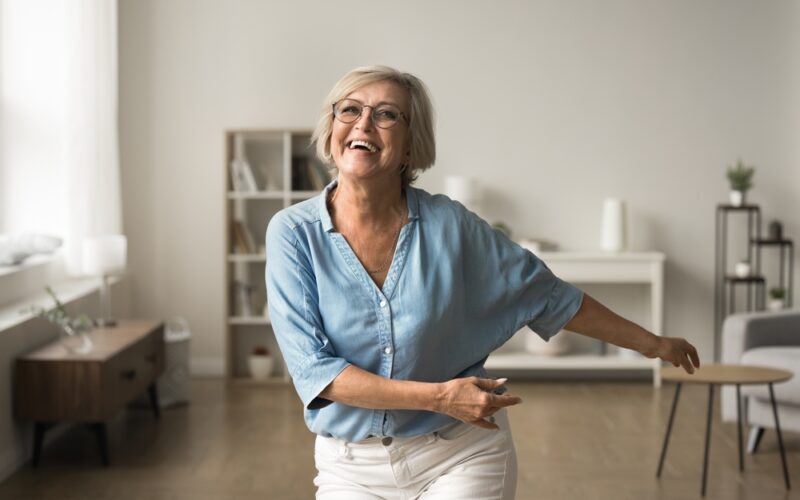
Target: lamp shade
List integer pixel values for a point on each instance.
(105, 254)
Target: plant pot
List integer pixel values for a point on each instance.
(76, 340)
(736, 198)
(775, 304)
(742, 269)
(260, 366)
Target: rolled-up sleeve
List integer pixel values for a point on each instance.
(293, 304)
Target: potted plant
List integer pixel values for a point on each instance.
(73, 333)
(742, 268)
(741, 179)
(260, 363)
(776, 296)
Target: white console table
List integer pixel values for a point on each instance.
(597, 268)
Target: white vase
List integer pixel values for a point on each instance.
(613, 236)
(775, 304)
(742, 269)
(556, 346)
(736, 198)
(260, 366)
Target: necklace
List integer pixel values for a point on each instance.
(388, 259)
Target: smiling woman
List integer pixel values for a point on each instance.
(387, 300)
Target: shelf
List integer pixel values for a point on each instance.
(258, 195)
(765, 242)
(247, 257)
(746, 279)
(302, 195)
(247, 381)
(525, 361)
(249, 320)
(732, 208)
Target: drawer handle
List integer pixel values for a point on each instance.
(128, 374)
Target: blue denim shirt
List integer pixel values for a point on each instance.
(456, 290)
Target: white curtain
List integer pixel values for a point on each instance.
(60, 154)
(91, 148)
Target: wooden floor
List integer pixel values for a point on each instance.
(574, 441)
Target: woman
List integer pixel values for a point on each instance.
(386, 301)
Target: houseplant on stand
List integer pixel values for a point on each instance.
(741, 179)
(776, 296)
(260, 363)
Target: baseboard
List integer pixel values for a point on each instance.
(209, 366)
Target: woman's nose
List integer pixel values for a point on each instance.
(364, 121)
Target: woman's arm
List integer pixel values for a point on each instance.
(468, 399)
(597, 321)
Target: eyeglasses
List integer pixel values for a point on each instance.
(383, 115)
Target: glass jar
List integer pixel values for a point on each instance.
(76, 339)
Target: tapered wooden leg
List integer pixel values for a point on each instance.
(99, 429)
(152, 391)
(39, 430)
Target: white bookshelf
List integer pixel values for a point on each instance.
(596, 270)
(270, 155)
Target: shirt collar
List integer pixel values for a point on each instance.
(325, 216)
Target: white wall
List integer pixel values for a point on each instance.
(553, 105)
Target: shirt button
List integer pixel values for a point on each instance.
(383, 303)
(387, 350)
(386, 441)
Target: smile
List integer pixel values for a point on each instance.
(364, 145)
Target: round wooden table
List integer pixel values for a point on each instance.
(719, 374)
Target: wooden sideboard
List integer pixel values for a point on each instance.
(52, 385)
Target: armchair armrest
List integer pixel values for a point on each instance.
(742, 332)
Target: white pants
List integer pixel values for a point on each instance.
(461, 461)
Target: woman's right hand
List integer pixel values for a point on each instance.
(472, 399)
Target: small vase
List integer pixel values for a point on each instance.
(775, 304)
(742, 269)
(77, 340)
(736, 198)
(260, 366)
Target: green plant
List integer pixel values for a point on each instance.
(741, 176)
(58, 315)
(777, 293)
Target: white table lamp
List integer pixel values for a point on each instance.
(105, 256)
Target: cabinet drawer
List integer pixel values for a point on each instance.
(129, 373)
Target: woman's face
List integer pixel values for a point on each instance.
(386, 148)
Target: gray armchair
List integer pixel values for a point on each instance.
(765, 339)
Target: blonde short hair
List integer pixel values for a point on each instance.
(422, 150)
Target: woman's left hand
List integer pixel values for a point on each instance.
(677, 351)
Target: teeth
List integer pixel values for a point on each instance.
(372, 148)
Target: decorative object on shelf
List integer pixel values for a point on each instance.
(557, 345)
(105, 256)
(614, 231)
(741, 179)
(73, 333)
(464, 190)
(242, 178)
(776, 298)
(260, 363)
(775, 231)
(742, 268)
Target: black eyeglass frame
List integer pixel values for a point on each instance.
(371, 115)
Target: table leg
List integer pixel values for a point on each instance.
(152, 391)
(739, 424)
(708, 438)
(39, 430)
(669, 428)
(99, 429)
(780, 436)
